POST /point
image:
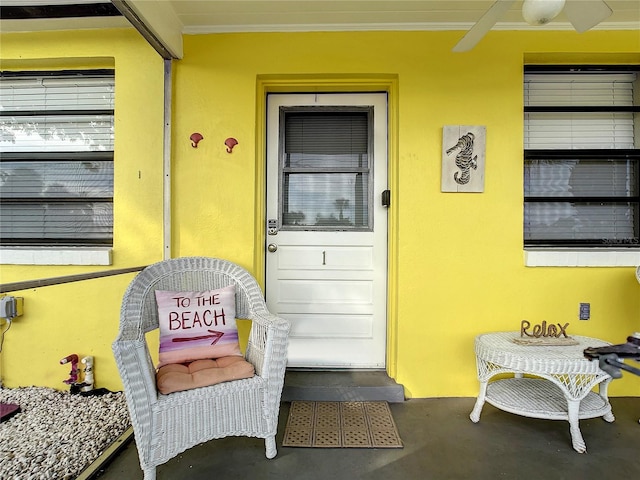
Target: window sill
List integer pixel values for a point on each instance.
(582, 258)
(55, 256)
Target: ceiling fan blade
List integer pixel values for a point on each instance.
(482, 26)
(586, 14)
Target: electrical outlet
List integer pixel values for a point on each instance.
(585, 311)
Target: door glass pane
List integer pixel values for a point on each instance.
(325, 171)
(336, 200)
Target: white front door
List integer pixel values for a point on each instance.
(326, 242)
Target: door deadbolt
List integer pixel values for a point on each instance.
(272, 226)
(272, 247)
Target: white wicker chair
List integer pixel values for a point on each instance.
(166, 425)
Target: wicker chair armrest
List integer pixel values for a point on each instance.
(129, 333)
(267, 346)
(267, 351)
(138, 379)
(271, 320)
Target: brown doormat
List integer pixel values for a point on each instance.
(341, 425)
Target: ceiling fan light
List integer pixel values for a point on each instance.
(540, 12)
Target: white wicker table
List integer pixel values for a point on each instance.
(558, 385)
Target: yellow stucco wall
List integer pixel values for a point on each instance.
(82, 318)
(457, 264)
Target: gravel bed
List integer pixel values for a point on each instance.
(57, 435)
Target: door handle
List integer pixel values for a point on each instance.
(386, 198)
(272, 247)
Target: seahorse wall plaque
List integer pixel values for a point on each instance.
(463, 158)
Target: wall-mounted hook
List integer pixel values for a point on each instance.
(230, 143)
(195, 139)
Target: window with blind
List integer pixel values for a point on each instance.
(581, 157)
(326, 170)
(56, 158)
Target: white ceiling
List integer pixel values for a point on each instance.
(211, 16)
(278, 15)
(169, 19)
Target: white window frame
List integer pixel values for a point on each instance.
(67, 253)
(610, 255)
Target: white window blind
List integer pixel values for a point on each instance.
(72, 123)
(579, 89)
(581, 178)
(56, 158)
(326, 170)
(576, 130)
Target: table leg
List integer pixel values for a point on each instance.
(477, 409)
(603, 388)
(574, 426)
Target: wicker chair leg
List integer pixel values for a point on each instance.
(270, 443)
(149, 473)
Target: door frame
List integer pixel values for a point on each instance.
(347, 329)
(333, 84)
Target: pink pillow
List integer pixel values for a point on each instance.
(197, 325)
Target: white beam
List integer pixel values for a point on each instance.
(166, 162)
(155, 19)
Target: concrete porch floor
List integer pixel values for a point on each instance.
(440, 442)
